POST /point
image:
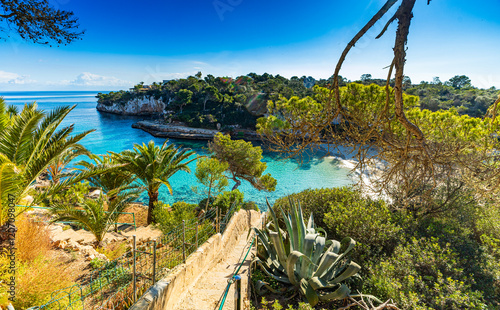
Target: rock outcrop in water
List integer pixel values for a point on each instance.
(137, 106)
(177, 131)
(180, 131)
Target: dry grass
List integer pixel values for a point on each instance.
(114, 250)
(32, 239)
(37, 273)
(140, 212)
(37, 280)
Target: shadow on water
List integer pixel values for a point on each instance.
(304, 161)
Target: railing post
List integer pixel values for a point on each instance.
(184, 241)
(217, 221)
(134, 277)
(237, 292)
(154, 262)
(196, 235)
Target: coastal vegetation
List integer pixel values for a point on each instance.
(206, 102)
(244, 162)
(427, 225)
(153, 165)
(452, 222)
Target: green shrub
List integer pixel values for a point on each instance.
(250, 205)
(424, 275)
(225, 200)
(345, 212)
(367, 221)
(97, 263)
(168, 217)
(318, 201)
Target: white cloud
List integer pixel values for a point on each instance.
(14, 78)
(25, 79)
(89, 79)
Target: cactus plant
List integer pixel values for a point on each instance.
(302, 257)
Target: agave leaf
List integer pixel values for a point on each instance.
(275, 221)
(318, 250)
(283, 279)
(342, 292)
(309, 243)
(295, 227)
(265, 243)
(310, 223)
(321, 230)
(351, 243)
(351, 270)
(293, 258)
(277, 241)
(329, 258)
(302, 224)
(261, 286)
(335, 247)
(309, 292)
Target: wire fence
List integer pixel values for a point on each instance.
(119, 283)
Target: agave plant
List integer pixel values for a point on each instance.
(302, 257)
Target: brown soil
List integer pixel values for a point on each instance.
(140, 212)
(74, 264)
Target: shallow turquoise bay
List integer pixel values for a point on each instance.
(114, 133)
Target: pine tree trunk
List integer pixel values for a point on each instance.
(208, 199)
(238, 183)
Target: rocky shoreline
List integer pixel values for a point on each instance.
(179, 131)
(136, 107)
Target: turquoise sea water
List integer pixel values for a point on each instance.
(114, 133)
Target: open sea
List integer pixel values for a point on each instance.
(115, 133)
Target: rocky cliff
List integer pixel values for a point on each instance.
(137, 106)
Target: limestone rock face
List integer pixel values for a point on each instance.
(137, 106)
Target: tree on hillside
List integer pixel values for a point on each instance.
(459, 81)
(183, 98)
(366, 77)
(58, 166)
(244, 162)
(113, 182)
(37, 21)
(209, 93)
(153, 165)
(97, 216)
(210, 173)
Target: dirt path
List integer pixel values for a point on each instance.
(210, 286)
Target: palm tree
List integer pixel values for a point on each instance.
(91, 214)
(58, 165)
(6, 113)
(29, 142)
(112, 182)
(154, 165)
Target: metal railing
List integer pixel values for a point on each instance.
(119, 283)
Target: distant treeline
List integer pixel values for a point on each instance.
(206, 102)
(457, 93)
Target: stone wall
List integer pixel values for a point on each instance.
(168, 291)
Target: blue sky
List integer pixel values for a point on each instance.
(130, 41)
